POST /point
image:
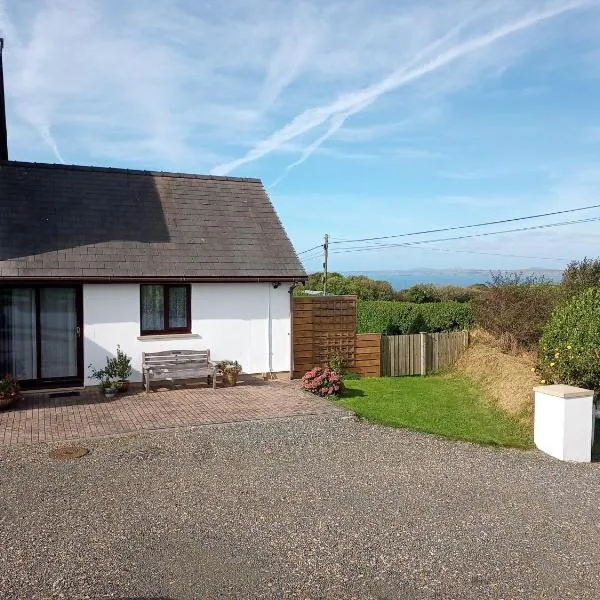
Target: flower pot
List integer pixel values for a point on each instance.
(230, 378)
(122, 386)
(110, 392)
(7, 400)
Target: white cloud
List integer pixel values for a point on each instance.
(436, 55)
(172, 84)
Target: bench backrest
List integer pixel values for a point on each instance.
(175, 358)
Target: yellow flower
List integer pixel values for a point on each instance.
(557, 355)
(543, 381)
(568, 347)
(533, 369)
(552, 364)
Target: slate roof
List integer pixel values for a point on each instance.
(91, 223)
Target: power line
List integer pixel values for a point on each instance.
(415, 247)
(461, 237)
(386, 237)
(313, 248)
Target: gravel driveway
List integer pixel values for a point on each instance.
(308, 507)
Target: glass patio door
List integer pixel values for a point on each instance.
(58, 332)
(40, 334)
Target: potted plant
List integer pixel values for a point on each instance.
(106, 383)
(115, 375)
(230, 369)
(9, 391)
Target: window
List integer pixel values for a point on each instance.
(165, 309)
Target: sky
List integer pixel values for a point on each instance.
(362, 118)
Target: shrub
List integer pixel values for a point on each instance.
(422, 293)
(580, 275)
(398, 318)
(117, 368)
(570, 345)
(322, 382)
(515, 308)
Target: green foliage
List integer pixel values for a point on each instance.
(570, 345)
(117, 368)
(229, 366)
(451, 406)
(397, 318)
(337, 363)
(515, 308)
(580, 275)
(427, 292)
(421, 294)
(363, 287)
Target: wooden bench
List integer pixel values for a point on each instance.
(177, 364)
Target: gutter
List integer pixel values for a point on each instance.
(155, 279)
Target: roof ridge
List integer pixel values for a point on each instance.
(64, 167)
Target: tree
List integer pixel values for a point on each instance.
(363, 287)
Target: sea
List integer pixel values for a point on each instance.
(401, 280)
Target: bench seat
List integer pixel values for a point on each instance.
(177, 364)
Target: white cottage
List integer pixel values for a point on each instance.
(92, 258)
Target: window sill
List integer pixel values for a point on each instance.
(167, 336)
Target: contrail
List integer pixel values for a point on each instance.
(353, 102)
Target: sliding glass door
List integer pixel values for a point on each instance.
(40, 334)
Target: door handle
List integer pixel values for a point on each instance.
(78, 331)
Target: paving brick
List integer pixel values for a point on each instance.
(40, 418)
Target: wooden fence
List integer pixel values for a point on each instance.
(324, 327)
(367, 361)
(422, 353)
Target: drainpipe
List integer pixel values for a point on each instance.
(269, 335)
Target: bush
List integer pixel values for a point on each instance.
(515, 308)
(322, 382)
(399, 318)
(580, 275)
(570, 345)
(422, 293)
(361, 286)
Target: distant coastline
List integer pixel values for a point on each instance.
(403, 279)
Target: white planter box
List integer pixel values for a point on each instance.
(564, 422)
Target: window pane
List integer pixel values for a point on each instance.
(153, 302)
(18, 354)
(178, 307)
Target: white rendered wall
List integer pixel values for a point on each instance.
(229, 319)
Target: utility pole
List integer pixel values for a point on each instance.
(326, 256)
(3, 135)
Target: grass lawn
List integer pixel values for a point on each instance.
(452, 406)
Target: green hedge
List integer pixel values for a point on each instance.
(395, 318)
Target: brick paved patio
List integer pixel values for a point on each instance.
(41, 418)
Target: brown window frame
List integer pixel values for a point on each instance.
(169, 330)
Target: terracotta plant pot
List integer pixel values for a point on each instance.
(230, 378)
(6, 401)
(122, 386)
